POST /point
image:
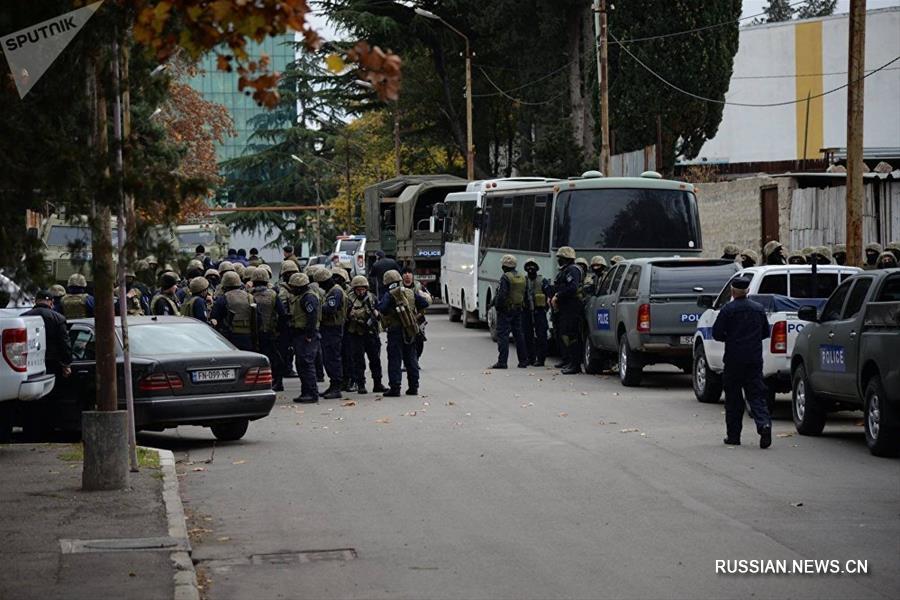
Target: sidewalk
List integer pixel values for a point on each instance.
(46, 522)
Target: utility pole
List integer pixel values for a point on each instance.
(347, 177)
(603, 75)
(855, 104)
(397, 166)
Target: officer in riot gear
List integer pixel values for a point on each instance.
(839, 253)
(773, 253)
(534, 315)
(272, 317)
(194, 269)
(334, 312)
(509, 302)
(197, 306)
(397, 307)
(409, 282)
(886, 260)
(57, 292)
(285, 340)
(567, 301)
(342, 279)
(135, 302)
(873, 251)
(304, 329)
(363, 339)
(234, 312)
(77, 303)
(317, 274)
(165, 302)
(748, 258)
(598, 270)
(730, 252)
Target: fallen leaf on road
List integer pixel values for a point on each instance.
(468, 414)
(486, 372)
(540, 378)
(784, 435)
(615, 393)
(339, 418)
(224, 538)
(451, 403)
(383, 420)
(239, 462)
(643, 434)
(349, 403)
(563, 414)
(425, 404)
(198, 469)
(411, 413)
(584, 393)
(378, 398)
(527, 405)
(796, 504)
(629, 430)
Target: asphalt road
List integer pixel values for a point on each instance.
(530, 484)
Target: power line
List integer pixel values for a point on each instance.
(763, 105)
(523, 86)
(514, 99)
(803, 75)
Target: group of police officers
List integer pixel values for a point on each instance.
(327, 322)
(774, 253)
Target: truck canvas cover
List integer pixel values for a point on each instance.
(393, 188)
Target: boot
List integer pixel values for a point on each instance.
(524, 365)
(413, 391)
(497, 366)
(378, 388)
(333, 392)
(349, 386)
(394, 392)
(538, 362)
(301, 399)
(561, 365)
(732, 442)
(361, 389)
(278, 386)
(765, 437)
(569, 370)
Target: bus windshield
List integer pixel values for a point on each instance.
(192, 238)
(627, 218)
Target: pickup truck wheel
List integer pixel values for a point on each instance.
(809, 414)
(230, 432)
(630, 367)
(881, 432)
(707, 383)
(591, 358)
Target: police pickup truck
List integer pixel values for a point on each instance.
(848, 357)
(23, 375)
(645, 312)
(781, 289)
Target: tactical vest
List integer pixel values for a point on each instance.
(255, 261)
(187, 309)
(403, 314)
(284, 294)
(516, 298)
(298, 313)
(540, 298)
(265, 304)
(237, 302)
(74, 306)
(359, 314)
(173, 306)
(133, 302)
(337, 318)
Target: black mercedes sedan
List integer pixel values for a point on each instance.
(183, 373)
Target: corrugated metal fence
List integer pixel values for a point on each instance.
(632, 164)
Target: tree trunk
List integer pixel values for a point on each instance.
(574, 24)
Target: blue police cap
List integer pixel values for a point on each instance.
(741, 283)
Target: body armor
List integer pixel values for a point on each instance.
(239, 313)
(265, 304)
(74, 306)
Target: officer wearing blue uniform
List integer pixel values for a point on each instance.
(233, 313)
(401, 340)
(363, 339)
(742, 326)
(272, 316)
(197, 305)
(334, 313)
(567, 302)
(534, 315)
(509, 303)
(77, 303)
(305, 313)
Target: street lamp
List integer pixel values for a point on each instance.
(470, 149)
(318, 206)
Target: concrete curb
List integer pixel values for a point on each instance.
(185, 577)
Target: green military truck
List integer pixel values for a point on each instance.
(210, 232)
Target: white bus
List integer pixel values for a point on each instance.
(462, 239)
(629, 216)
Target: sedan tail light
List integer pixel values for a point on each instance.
(258, 376)
(15, 349)
(643, 318)
(779, 342)
(159, 382)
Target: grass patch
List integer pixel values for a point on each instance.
(148, 459)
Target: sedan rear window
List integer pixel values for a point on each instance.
(175, 338)
(683, 279)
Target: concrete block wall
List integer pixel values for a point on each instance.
(730, 212)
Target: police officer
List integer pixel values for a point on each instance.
(342, 278)
(839, 253)
(410, 283)
(77, 303)
(165, 302)
(796, 258)
(534, 315)
(201, 256)
(272, 317)
(363, 337)
(57, 292)
(873, 251)
(305, 311)
(334, 311)
(509, 303)
(894, 248)
(742, 325)
(748, 258)
(135, 303)
(285, 339)
(822, 255)
(382, 265)
(773, 253)
(730, 252)
(886, 260)
(582, 264)
(598, 270)
(288, 255)
(566, 300)
(194, 269)
(197, 306)
(255, 259)
(213, 277)
(232, 312)
(400, 340)
(317, 274)
(807, 253)
(615, 260)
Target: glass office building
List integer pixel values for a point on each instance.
(222, 88)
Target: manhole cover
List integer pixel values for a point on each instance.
(302, 557)
(122, 545)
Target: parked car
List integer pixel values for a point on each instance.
(352, 252)
(183, 373)
(848, 357)
(781, 289)
(645, 312)
(23, 375)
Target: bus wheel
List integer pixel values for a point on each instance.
(455, 314)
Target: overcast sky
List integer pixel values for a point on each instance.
(753, 7)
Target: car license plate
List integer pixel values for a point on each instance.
(686, 340)
(209, 375)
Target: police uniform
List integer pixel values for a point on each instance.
(401, 348)
(271, 316)
(165, 302)
(77, 303)
(568, 303)
(197, 305)
(363, 339)
(742, 325)
(304, 328)
(334, 311)
(509, 303)
(233, 313)
(423, 321)
(534, 315)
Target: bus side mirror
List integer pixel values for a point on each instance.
(388, 217)
(705, 301)
(808, 313)
(439, 210)
(480, 218)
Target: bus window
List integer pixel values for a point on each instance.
(461, 218)
(627, 218)
(515, 239)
